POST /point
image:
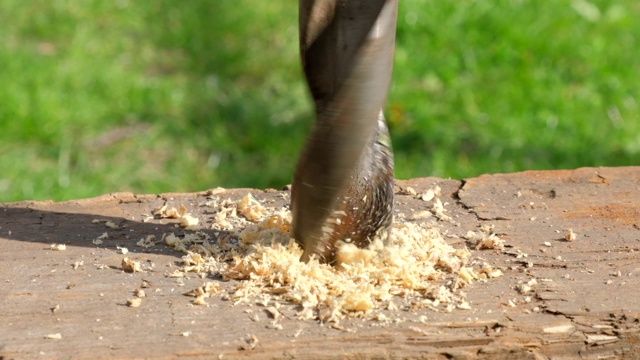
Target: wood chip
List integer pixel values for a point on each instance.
(134, 302)
(131, 266)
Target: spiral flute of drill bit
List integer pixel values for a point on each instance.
(343, 184)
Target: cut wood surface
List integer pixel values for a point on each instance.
(584, 303)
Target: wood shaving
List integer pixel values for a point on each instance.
(428, 195)
(250, 208)
(185, 242)
(421, 215)
(487, 271)
(407, 270)
(203, 292)
(468, 275)
(147, 242)
(111, 224)
(274, 326)
(439, 211)
(571, 236)
(224, 212)
(200, 301)
(131, 266)
(56, 336)
(58, 247)
(527, 287)
(165, 212)
(226, 216)
(485, 239)
(134, 302)
(409, 191)
(108, 223)
(176, 274)
(215, 191)
(99, 239)
(187, 220)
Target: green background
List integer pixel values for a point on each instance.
(165, 95)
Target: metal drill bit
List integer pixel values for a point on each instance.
(343, 184)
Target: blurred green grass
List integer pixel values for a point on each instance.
(100, 96)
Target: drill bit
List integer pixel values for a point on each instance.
(343, 183)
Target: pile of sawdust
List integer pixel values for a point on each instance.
(413, 268)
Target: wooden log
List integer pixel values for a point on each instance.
(73, 303)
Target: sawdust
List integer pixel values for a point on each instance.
(414, 268)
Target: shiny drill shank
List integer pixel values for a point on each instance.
(343, 184)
